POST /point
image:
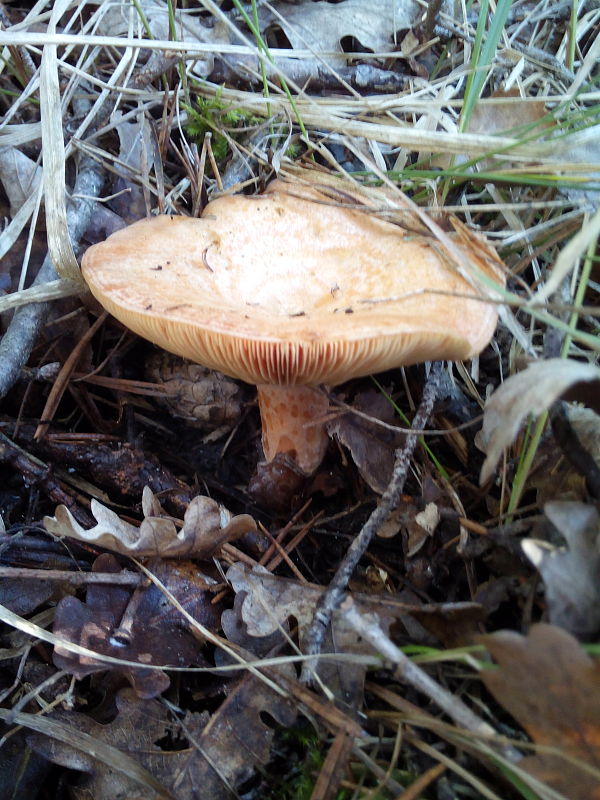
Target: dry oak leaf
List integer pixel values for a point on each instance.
(208, 757)
(321, 27)
(115, 21)
(552, 688)
(206, 526)
(141, 625)
(530, 392)
(269, 601)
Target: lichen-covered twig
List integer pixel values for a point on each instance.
(18, 341)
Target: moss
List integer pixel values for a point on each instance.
(212, 115)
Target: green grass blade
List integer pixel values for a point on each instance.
(484, 49)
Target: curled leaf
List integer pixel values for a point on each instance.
(570, 574)
(532, 391)
(206, 526)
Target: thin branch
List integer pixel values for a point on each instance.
(334, 594)
(409, 672)
(123, 578)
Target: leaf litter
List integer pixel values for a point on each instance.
(193, 689)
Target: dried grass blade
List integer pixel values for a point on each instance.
(55, 189)
(52, 290)
(568, 257)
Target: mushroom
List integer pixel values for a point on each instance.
(288, 291)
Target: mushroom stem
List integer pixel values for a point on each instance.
(291, 424)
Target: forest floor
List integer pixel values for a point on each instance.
(419, 616)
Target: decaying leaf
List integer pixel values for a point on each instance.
(571, 576)
(20, 177)
(202, 757)
(530, 392)
(141, 625)
(372, 447)
(206, 526)
(322, 27)
(552, 688)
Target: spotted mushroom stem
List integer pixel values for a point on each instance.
(292, 424)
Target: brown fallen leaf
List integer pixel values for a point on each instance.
(206, 526)
(204, 757)
(552, 688)
(503, 112)
(372, 447)
(506, 111)
(141, 626)
(571, 574)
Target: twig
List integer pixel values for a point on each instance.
(332, 597)
(123, 578)
(425, 779)
(367, 625)
(60, 384)
(334, 768)
(18, 341)
(431, 18)
(36, 473)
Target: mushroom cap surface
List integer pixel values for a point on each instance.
(283, 289)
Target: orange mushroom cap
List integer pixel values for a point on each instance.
(284, 290)
(288, 291)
